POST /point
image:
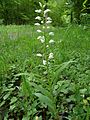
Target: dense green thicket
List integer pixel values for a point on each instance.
(18, 11)
(23, 11)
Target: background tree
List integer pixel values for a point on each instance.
(23, 11)
(77, 7)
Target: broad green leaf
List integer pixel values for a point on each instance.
(42, 90)
(12, 107)
(46, 100)
(13, 100)
(6, 96)
(83, 91)
(2, 103)
(59, 69)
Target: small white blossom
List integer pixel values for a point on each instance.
(67, 3)
(38, 11)
(41, 38)
(46, 11)
(51, 33)
(48, 22)
(39, 31)
(44, 62)
(51, 56)
(49, 19)
(42, 22)
(38, 18)
(47, 46)
(39, 54)
(37, 24)
(51, 41)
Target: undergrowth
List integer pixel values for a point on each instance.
(25, 93)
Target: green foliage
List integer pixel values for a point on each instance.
(24, 90)
(58, 11)
(18, 11)
(23, 11)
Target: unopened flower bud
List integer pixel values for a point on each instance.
(37, 24)
(51, 41)
(38, 11)
(51, 33)
(39, 54)
(38, 18)
(39, 31)
(44, 62)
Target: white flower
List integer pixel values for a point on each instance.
(67, 3)
(42, 22)
(41, 38)
(39, 31)
(47, 46)
(38, 11)
(51, 41)
(37, 24)
(45, 72)
(44, 62)
(48, 22)
(39, 54)
(50, 56)
(48, 18)
(51, 33)
(46, 11)
(38, 18)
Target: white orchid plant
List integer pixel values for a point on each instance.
(45, 37)
(43, 26)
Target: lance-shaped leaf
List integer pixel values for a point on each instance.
(47, 101)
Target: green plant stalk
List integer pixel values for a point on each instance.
(45, 48)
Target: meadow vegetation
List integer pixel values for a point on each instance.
(22, 76)
(45, 60)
